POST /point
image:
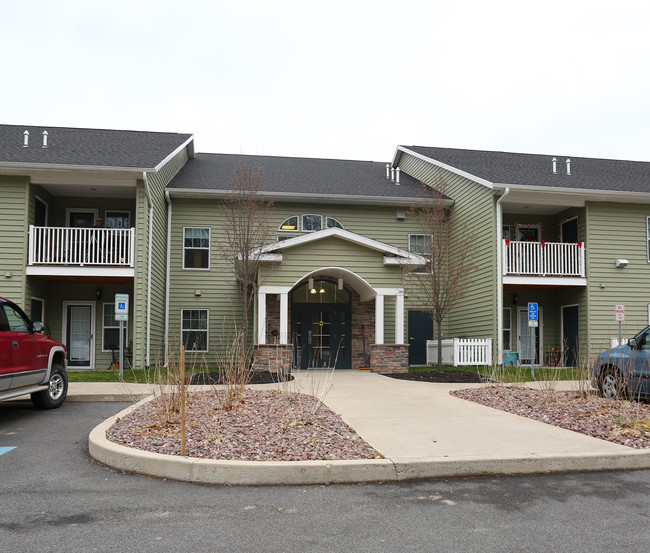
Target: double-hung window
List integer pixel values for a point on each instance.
(194, 329)
(111, 334)
(421, 244)
(196, 248)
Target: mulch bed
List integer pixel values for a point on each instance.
(264, 426)
(441, 376)
(257, 377)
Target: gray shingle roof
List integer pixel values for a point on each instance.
(536, 169)
(88, 147)
(296, 176)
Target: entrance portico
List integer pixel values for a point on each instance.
(333, 315)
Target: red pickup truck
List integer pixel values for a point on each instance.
(30, 361)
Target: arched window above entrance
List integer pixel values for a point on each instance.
(323, 291)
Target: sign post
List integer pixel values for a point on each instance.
(620, 317)
(121, 315)
(533, 322)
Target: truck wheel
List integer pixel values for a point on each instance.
(57, 389)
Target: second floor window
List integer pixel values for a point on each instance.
(420, 244)
(312, 223)
(196, 248)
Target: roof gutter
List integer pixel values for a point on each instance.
(324, 198)
(499, 219)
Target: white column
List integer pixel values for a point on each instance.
(284, 318)
(399, 318)
(261, 318)
(379, 319)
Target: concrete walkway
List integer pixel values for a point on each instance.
(420, 429)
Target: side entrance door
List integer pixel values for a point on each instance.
(570, 332)
(530, 338)
(322, 334)
(420, 330)
(79, 319)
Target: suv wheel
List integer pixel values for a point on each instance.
(612, 385)
(57, 389)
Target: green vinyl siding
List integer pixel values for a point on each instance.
(616, 231)
(156, 184)
(474, 207)
(14, 209)
(216, 286)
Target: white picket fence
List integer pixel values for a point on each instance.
(459, 352)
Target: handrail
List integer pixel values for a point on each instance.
(556, 259)
(81, 246)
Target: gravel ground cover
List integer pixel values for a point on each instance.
(266, 426)
(622, 422)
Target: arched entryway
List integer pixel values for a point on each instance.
(320, 325)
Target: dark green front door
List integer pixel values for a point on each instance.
(322, 335)
(420, 330)
(320, 326)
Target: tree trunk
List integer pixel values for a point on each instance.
(439, 327)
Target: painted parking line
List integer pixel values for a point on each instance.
(4, 450)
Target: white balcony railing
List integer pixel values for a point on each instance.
(81, 246)
(553, 259)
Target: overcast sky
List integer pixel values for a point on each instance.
(337, 79)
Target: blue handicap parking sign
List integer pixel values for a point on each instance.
(532, 312)
(121, 305)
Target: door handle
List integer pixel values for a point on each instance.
(14, 344)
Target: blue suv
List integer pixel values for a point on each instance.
(624, 371)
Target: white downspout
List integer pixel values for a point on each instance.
(500, 277)
(148, 329)
(169, 233)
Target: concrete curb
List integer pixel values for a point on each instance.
(330, 472)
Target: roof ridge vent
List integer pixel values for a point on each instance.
(26, 139)
(554, 166)
(44, 139)
(568, 166)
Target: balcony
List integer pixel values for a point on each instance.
(61, 251)
(544, 263)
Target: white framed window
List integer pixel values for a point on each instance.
(333, 223)
(507, 329)
(194, 329)
(196, 248)
(421, 244)
(117, 219)
(290, 223)
(529, 233)
(111, 329)
(312, 223)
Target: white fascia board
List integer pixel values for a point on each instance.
(412, 259)
(59, 167)
(42, 270)
(189, 141)
(584, 193)
(321, 198)
(449, 168)
(340, 233)
(545, 281)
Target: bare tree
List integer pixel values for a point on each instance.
(450, 252)
(247, 227)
